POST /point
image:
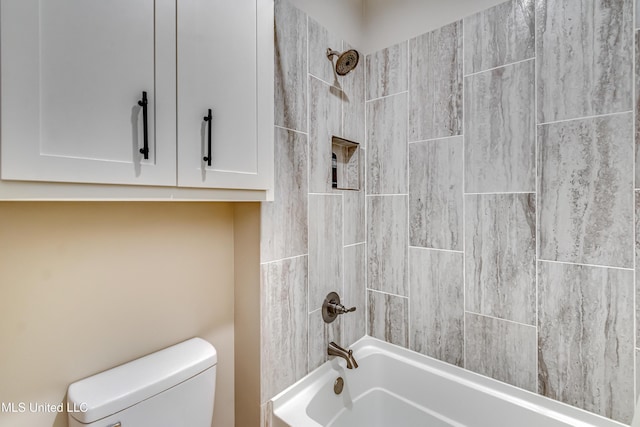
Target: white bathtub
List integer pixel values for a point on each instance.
(395, 387)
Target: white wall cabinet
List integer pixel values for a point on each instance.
(73, 71)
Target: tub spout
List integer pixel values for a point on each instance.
(335, 350)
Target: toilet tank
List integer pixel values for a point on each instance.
(170, 388)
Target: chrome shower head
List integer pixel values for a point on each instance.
(346, 62)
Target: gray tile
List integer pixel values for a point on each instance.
(319, 40)
(325, 247)
(500, 256)
(637, 109)
(284, 221)
(435, 83)
(355, 284)
(290, 67)
(435, 193)
(585, 343)
(500, 35)
(320, 335)
(353, 107)
(325, 121)
(584, 56)
(284, 324)
(637, 256)
(387, 145)
(585, 203)
(500, 130)
(354, 217)
(637, 14)
(387, 244)
(387, 71)
(388, 318)
(637, 373)
(437, 304)
(502, 350)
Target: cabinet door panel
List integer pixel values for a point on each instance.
(217, 69)
(72, 74)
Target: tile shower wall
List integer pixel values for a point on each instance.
(500, 209)
(313, 236)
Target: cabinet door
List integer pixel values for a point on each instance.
(72, 73)
(217, 70)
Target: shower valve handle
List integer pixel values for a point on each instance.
(331, 307)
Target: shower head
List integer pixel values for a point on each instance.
(346, 62)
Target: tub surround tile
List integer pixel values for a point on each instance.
(585, 343)
(500, 256)
(502, 350)
(290, 67)
(319, 40)
(637, 379)
(586, 191)
(437, 304)
(284, 324)
(353, 108)
(584, 55)
(637, 108)
(354, 217)
(435, 193)
(435, 83)
(325, 247)
(500, 130)
(388, 318)
(387, 145)
(387, 71)
(325, 111)
(284, 221)
(320, 335)
(387, 244)
(637, 256)
(500, 35)
(355, 284)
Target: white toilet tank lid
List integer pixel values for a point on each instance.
(112, 391)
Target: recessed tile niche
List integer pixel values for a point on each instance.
(345, 164)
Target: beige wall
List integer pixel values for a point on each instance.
(247, 313)
(87, 286)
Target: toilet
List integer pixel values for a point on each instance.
(174, 387)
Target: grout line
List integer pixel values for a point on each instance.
(355, 244)
(596, 116)
(283, 259)
(322, 81)
(325, 194)
(387, 96)
(365, 168)
(308, 107)
(498, 67)
(408, 177)
(499, 193)
(387, 293)
(536, 221)
(387, 195)
(439, 138)
(586, 265)
(291, 130)
(500, 319)
(464, 225)
(437, 249)
(633, 204)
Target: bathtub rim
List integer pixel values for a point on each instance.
(307, 387)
